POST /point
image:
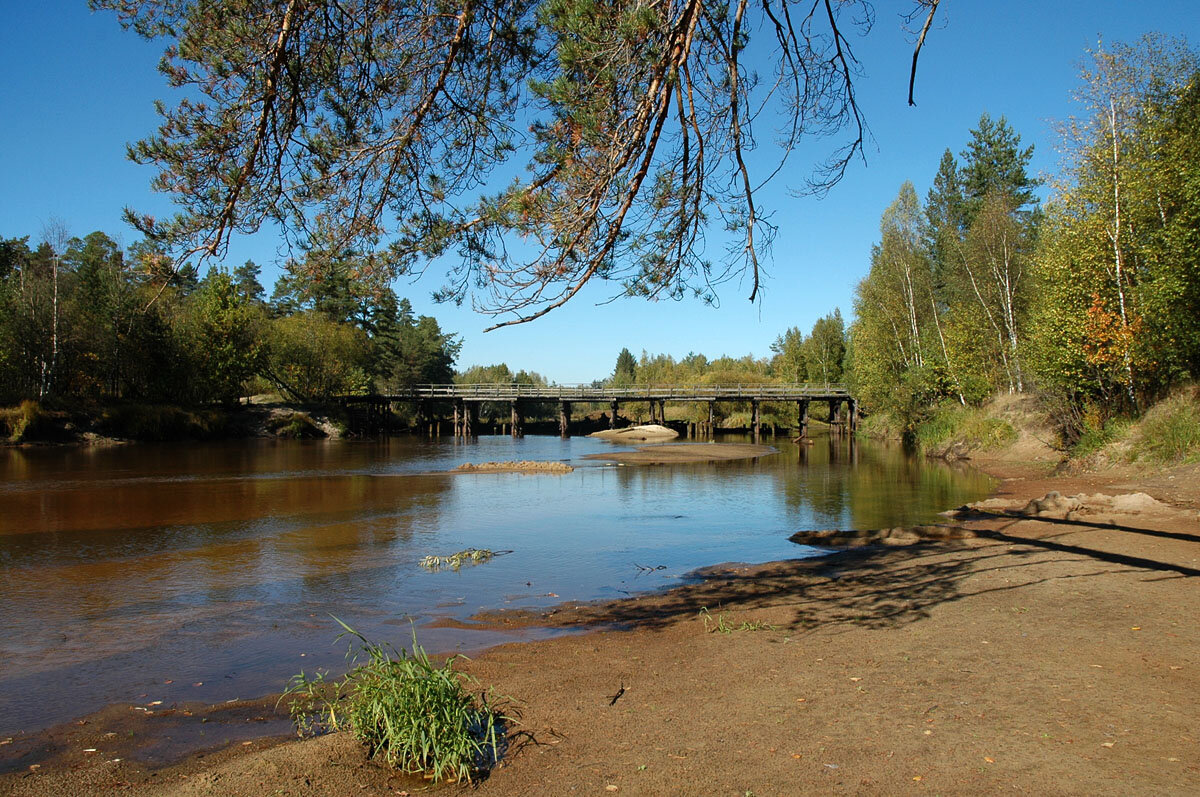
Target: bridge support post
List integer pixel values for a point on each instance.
(612, 419)
(517, 420)
(835, 410)
(468, 420)
(712, 418)
(564, 420)
(803, 417)
(457, 418)
(754, 418)
(853, 420)
(662, 411)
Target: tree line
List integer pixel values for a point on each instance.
(86, 320)
(1090, 300)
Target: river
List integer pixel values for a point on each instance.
(208, 572)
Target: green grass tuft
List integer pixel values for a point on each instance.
(419, 717)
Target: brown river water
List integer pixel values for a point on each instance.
(208, 572)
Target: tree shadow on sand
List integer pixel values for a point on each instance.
(874, 587)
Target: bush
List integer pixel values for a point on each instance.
(418, 716)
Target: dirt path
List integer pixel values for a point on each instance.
(1044, 656)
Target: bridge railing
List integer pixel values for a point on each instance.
(516, 392)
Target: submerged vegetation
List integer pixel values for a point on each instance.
(455, 561)
(417, 716)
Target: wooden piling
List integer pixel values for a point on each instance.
(803, 417)
(564, 420)
(517, 420)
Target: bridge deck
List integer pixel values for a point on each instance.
(517, 392)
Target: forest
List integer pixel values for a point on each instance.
(1088, 300)
(83, 321)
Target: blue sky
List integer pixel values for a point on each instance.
(75, 88)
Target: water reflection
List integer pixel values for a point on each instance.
(215, 567)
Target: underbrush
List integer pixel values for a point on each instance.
(26, 421)
(155, 422)
(419, 717)
(881, 426)
(297, 425)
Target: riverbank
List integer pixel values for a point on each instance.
(1051, 655)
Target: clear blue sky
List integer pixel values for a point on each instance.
(75, 88)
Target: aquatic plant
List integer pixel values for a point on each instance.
(467, 556)
(418, 716)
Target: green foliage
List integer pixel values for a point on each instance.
(625, 371)
(312, 357)
(1117, 273)
(1097, 433)
(417, 716)
(226, 338)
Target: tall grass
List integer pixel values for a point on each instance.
(973, 426)
(1170, 430)
(21, 422)
(419, 717)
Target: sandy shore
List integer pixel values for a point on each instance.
(1047, 653)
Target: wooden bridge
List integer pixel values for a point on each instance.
(466, 400)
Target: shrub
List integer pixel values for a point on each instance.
(418, 716)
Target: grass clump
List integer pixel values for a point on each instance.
(418, 716)
(721, 624)
(1170, 430)
(972, 426)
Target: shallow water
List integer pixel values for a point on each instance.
(209, 571)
